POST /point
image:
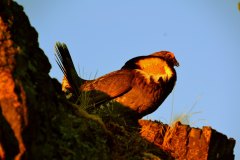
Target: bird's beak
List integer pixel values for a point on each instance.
(175, 62)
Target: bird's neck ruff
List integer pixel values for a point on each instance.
(154, 69)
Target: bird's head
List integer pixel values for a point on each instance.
(159, 65)
(167, 56)
(151, 60)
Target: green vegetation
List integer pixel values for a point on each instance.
(108, 131)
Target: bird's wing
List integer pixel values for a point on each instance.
(64, 61)
(111, 85)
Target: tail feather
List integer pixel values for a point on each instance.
(64, 61)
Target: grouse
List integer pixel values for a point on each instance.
(142, 84)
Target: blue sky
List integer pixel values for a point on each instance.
(203, 34)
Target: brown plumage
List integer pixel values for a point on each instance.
(142, 84)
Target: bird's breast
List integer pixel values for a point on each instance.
(154, 69)
(153, 75)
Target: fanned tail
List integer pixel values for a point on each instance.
(64, 61)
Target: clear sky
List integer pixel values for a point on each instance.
(204, 35)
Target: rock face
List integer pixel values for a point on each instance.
(184, 142)
(36, 122)
(23, 76)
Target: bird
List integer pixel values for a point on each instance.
(141, 85)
